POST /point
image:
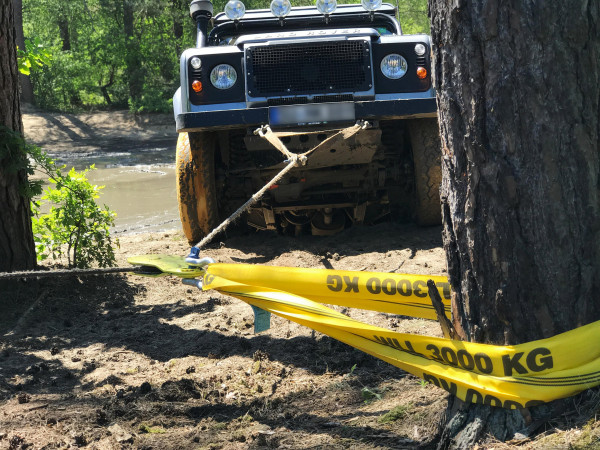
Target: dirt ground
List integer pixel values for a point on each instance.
(110, 131)
(122, 361)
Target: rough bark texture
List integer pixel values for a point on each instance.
(518, 94)
(17, 251)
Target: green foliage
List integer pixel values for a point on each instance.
(75, 224)
(153, 430)
(99, 59)
(395, 414)
(92, 52)
(14, 157)
(369, 395)
(413, 16)
(75, 220)
(34, 56)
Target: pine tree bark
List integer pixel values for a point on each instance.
(518, 96)
(17, 251)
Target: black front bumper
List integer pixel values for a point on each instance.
(365, 110)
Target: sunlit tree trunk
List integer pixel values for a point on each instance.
(26, 86)
(17, 250)
(518, 85)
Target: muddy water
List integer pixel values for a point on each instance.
(139, 186)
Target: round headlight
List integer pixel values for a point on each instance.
(420, 49)
(235, 10)
(394, 66)
(371, 5)
(223, 76)
(281, 8)
(326, 6)
(195, 62)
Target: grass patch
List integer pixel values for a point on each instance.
(152, 430)
(370, 395)
(399, 412)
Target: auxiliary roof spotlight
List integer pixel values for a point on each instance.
(235, 9)
(281, 8)
(371, 5)
(326, 6)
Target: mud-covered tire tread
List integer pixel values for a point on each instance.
(196, 187)
(426, 151)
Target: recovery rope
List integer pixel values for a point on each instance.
(293, 160)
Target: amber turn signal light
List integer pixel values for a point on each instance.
(197, 86)
(421, 72)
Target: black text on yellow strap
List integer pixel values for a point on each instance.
(387, 286)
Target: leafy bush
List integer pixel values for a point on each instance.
(33, 56)
(75, 225)
(75, 221)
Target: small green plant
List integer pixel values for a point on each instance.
(395, 414)
(369, 395)
(75, 225)
(423, 383)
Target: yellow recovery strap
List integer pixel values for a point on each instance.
(508, 376)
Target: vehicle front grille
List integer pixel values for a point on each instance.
(308, 68)
(333, 98)
(286, 101)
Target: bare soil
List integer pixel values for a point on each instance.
(122, 361)
(112, 131)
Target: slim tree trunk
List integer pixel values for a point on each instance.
(177, 24)
(65, 33)
(17, 250)
(518, 87)
(26, 86)
(135, 73)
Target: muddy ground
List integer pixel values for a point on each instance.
(122, 361)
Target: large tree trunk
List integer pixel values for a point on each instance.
(26, 86)
(17, 250)
(518, 85)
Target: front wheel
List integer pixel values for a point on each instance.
(196, 188)
(427, 152)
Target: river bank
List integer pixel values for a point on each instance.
(134, 157)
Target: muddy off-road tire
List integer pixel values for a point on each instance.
(196, 188)
(426, 150)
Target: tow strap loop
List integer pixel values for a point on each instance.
(508, 376)
(513, 377)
